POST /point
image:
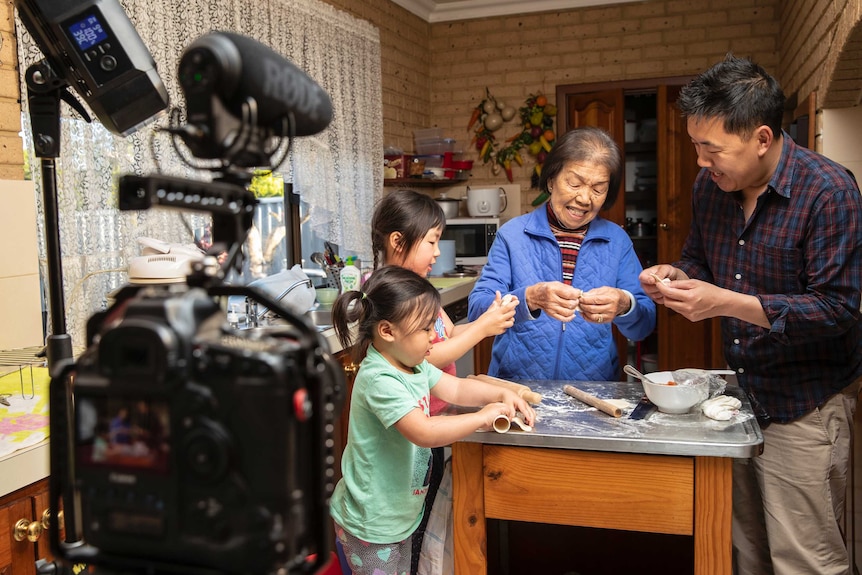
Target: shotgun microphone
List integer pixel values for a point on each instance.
(222, 72)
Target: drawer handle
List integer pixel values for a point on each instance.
(26, 529)
(351, 369)
(46, 519)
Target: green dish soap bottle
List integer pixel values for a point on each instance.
(350, 275)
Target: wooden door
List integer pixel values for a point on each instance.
(341, 428)
(44, 513)
(802, 126)
(603, 109)
(682, 343)
(22, 554)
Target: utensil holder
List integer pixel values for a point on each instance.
(333, 277)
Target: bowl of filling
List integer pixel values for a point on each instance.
(671, 396)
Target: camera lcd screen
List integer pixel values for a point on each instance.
(123, 433)
(88, 32)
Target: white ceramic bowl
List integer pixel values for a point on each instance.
(673, 398)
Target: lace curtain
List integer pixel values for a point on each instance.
(335, 172)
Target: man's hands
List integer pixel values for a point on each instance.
(697, 300)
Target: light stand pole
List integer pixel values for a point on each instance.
(44, 92)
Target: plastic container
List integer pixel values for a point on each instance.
(428, 134)
(350, 276)
(435, 146)
(446, 260)
(326, 296)
(431, 161)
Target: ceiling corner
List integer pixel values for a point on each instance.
(421, 8)
(448, 10)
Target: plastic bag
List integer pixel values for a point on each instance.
(291, 288)
(690, 376)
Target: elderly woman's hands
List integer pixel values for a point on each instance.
(604, 304)
(558, 300)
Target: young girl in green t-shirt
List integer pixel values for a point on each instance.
(378, 503)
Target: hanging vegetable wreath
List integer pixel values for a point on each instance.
(537, 133)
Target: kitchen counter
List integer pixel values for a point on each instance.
(668, 474)
(567, 423)
(23, 420)
(24, 467)
(451, 290)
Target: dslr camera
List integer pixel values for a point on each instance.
(193, 446)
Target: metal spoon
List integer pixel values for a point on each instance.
(318, 258)
(632, 370)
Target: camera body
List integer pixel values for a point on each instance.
(195, 446)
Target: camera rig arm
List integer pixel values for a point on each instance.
(231, 206)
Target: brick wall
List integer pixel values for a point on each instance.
(518, 55)
(819, 50)
(404, 45)
(11, 146)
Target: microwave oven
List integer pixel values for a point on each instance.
(473, 238)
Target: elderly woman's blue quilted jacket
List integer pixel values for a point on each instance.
(524, 253)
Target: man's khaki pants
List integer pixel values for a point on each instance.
(789, 503)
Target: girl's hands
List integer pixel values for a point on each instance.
(525, 409)
(510, 405)
(500, 315)
(492, 411)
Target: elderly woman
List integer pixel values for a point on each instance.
(575, 274)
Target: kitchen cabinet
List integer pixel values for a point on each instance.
(23, 538)
(661, 165)
(350, 368)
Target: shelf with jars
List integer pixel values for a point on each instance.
(429, 170)
(424, 182)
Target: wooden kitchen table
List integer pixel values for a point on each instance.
(667, 474)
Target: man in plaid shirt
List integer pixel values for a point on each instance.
(775, 250)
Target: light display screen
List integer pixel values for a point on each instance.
(88, 32)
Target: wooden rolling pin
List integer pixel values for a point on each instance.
(593, 401)
(522, 390)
